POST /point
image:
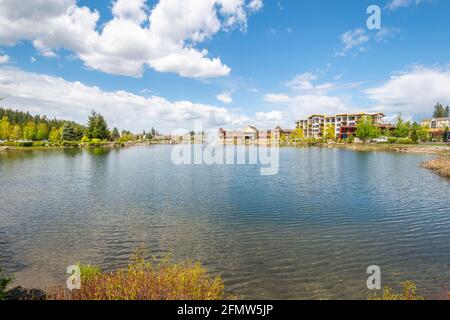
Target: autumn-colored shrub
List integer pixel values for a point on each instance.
(409, 293)
(440, 165)
(158, 279)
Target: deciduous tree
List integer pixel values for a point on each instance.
(403, 128)
(55, 135)
(16, 133)
(29, 131)
(365, 129)
(297, 135)
(5, 128)
(330, 132)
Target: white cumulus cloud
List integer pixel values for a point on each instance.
(353, 39)
(56, 97)
(413, 92)
(166, 37)
(225, 97)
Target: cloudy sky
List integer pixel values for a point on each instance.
(230, 63)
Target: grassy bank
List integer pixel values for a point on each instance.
(402, 148)
(72, 144)
(440, 165)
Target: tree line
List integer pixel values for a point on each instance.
(18, 126)
(402, 131)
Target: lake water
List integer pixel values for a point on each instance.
(309, 232)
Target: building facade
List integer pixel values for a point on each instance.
(343, 124)
(436, 127)
(436, 123)
(251, 135)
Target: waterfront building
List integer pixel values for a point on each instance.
(252, 135)
(436, 126)
(344, 124)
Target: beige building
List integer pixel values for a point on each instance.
(436, 123)
(251, 135)
(316, 124)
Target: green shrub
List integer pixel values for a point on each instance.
(25, 144)
(69, 144)
(97, 143)
(89, 272)
(405, 141)
(350, 139)
(392, 140)
(4, 282)
(39, 144)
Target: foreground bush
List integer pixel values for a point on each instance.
(409, 293)
(143, 280)
(4, 282)
(440, 165)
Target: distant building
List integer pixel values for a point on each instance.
(252, 135)
(436, 123)
(344, 124)
(436, 127)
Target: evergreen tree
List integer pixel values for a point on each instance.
(68, 132)
(447, 112)
(439, 111)
(115, 135)
(97, 127)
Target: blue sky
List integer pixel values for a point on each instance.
(227, 63)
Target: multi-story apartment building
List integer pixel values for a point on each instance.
(344, 124)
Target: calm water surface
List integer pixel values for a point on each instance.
(309, 232)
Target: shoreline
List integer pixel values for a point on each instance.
(435, 149)
(399, 148)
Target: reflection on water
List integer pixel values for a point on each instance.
(308, 232)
